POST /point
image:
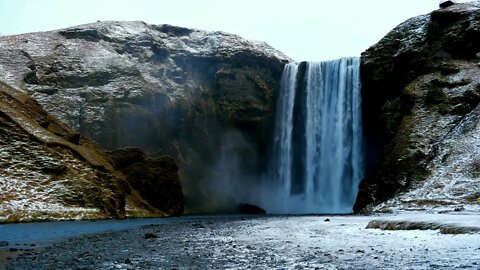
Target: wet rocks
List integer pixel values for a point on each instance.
(4, 243)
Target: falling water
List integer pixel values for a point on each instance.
(317, 155)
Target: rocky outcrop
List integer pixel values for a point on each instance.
(161, 88)
(156, 179)
(49, 172)
(421, 93)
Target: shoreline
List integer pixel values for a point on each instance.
(260, 242)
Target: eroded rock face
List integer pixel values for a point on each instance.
(421, 94)
(161, 88)
(49, 172)
(156, 179)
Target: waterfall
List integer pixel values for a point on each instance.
(317, 160)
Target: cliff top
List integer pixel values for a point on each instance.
(174, 38)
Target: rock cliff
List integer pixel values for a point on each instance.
(155, 179)
(48, 171)
(421, 93)
(161, 88)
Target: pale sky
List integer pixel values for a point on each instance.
(302, 29)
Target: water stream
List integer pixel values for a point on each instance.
(317, 157)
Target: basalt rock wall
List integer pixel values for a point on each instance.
(186, 93)
(421, 94)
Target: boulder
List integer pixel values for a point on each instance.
(446, 3)
(421, 109)
(250, 209)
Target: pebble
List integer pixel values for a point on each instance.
(150, 236)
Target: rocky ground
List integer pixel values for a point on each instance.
(268, 242)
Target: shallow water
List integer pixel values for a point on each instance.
(41, 234)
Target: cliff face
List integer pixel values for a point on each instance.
(421, 94)
(156, 180)
(49, 172)
(164, 89)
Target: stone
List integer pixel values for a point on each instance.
(4, 243)
(250, 209)
(150, 236)
(420, 102)
(446, 3)
(167, 90)
(156, 179)
(79, 174)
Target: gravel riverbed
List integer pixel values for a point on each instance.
(264, 242)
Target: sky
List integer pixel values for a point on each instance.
(311, 30)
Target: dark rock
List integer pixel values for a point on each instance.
(128, 261)
(4, 243)
(446, 3)
(54, 168)
(327, 220)
(250, 209)
(420, 95)
(150, 236)
(198, 225)
(161, 88)
(156, 179)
